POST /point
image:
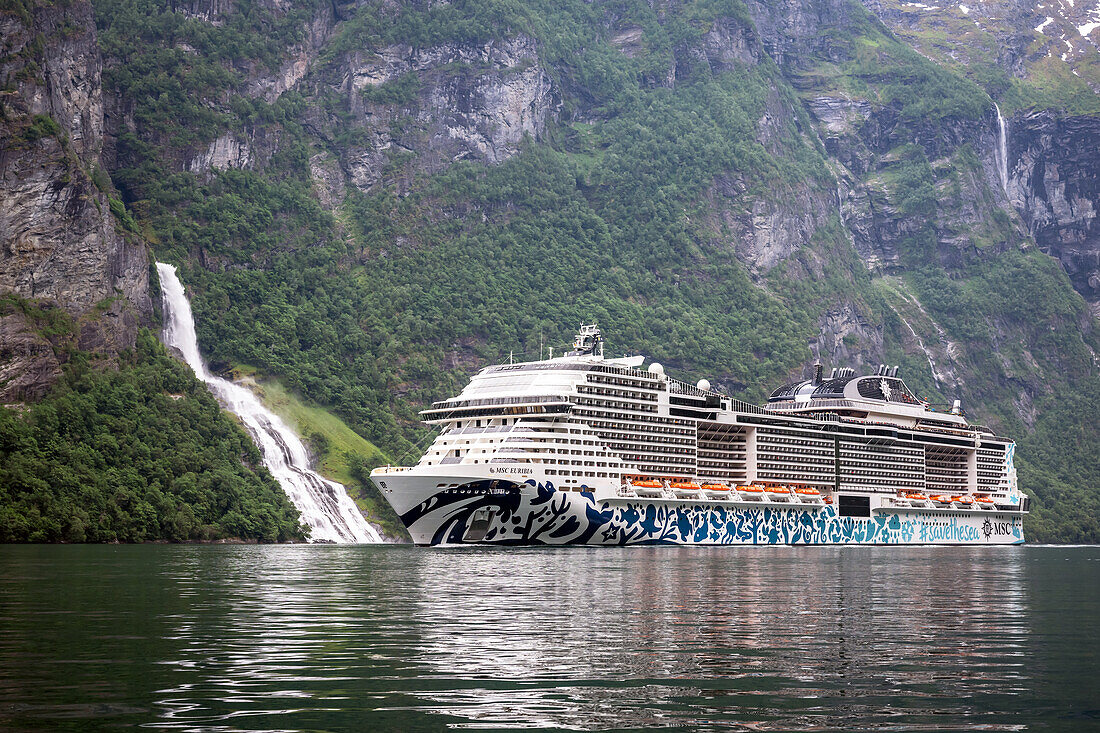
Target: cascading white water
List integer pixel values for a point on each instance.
(1002, 150)
(325, 505)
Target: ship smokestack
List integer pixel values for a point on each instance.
(894, 370)
(818, 369)
(956, 407)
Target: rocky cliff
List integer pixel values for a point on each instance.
(62, 242)
(1042, 65)
(1054, 183)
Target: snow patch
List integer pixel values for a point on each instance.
(965, 10)
(1087, 28)
(1039, 28)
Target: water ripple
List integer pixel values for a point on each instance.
(390, 638)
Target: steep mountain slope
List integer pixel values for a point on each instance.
(1041, 63)
(61, 239)
(373, 199)
(120, 443)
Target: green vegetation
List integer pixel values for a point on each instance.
(343, 455)
(629, 210)
(41, 126)
(134, 455)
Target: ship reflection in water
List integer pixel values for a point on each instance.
(399, 638)
(763, 638)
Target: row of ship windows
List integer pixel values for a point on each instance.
(625, 436)
(589, 474)
(640, 422)
(908, 463)
(636, 383)
(669, 460)
(613, 405)
(609, 392)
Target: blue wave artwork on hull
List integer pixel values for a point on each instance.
(545, 515)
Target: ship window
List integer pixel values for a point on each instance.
(853, 506)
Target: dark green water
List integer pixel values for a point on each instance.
(400, 638)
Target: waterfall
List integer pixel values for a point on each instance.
(936, 376)
(1002, 150)
(325, 505)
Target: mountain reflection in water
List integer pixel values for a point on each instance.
(399, 638)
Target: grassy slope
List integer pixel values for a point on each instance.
(344, 456)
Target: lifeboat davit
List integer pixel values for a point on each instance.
(685, 489)
(751, 492)
(716, 491)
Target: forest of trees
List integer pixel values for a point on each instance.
(390, 302)
(138, 453)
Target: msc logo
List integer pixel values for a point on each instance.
(996, 528)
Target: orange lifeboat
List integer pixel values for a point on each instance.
(751, 492)
(941, 499)
(808, 495)
(685, 489)
(778, 493)
(963, 500)
(716, 491)
(985, 502)
(649, 488)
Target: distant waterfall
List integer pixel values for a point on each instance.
(325, 505)
(1002, 150)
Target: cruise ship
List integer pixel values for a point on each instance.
(586, 450)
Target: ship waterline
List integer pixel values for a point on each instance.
(586, 450)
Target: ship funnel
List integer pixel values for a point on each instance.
(956, 407)
(832, 374)
(818, 369)
(881, 370)
(894, 370)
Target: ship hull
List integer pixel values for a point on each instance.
(456, 510)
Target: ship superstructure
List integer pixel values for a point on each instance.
(583, 449)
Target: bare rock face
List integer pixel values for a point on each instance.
(28, 364)
(225, 152)
(446, 103)
(772, 228)
(1054, 182)
(846, 337)
(58, 238)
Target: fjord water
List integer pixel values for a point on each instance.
(325, 505)
(374, 638)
